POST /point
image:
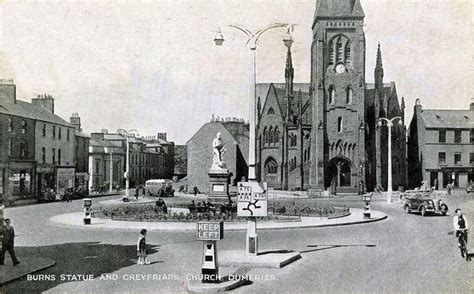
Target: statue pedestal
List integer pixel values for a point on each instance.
(219, 185)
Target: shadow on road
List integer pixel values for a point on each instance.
(86, 258)
(325, 247)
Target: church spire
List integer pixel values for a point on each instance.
(378, 74)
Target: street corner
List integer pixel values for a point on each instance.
(29, 266)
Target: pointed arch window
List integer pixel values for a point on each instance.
(270, 111)
(349, 95)
(331, 52)
(332, 94)
(271, 166)
(339, 124)
(347, 53)
(339, 50)
(277, 135)
(270, 135)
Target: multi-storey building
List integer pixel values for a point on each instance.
(39, 154)
(81, 153)
(441, 146)
(149, 158)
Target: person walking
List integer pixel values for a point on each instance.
(8, 236)
(141, 248)
(137, 192)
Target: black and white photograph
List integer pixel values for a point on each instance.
(241, 146)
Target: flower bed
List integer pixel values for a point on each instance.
(277, 211)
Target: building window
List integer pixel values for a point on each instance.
(349, 95)
(10, 124)
(277, 135)
(332, 94)
(442, 136)
(270, 132)
(347, 53)
(271, 167)
(23, 126)
(457, 136)
(54, 156)
(44, 130)
(67, 134)
(442, 158)
(471, 158)
(270, 111)
(331, 53)
(59, 156)
(339, 124)
(471, 136)
(54, 132)
(23, 149)
(339, 50)
(97, 167)
(59, 133)
(457, 158)
(43, 155)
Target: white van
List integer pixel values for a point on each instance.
(161, 188)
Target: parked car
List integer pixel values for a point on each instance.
(159, 188)
(424, 204)
(470, 187)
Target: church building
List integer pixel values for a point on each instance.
(326, 134)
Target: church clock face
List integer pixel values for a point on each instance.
(340, 68)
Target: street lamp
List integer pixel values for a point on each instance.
(252, 39)
(389, 143)
(251, 243)
(127, 166)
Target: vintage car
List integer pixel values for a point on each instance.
(420, 201)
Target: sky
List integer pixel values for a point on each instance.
(153, 65)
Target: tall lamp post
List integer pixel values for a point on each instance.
(127, 161)
(111, 170)
(389, 143)
(252, 39)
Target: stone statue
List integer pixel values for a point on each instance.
(218, 152)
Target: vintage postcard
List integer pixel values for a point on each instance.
(247, 146)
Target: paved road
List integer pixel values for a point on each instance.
(405, 253)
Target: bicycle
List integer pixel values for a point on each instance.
(462, 236)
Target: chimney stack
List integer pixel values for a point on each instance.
(161, 136)
(45, 100)
(471, 106)
(75, 120)
(7, 91)
(418, 108)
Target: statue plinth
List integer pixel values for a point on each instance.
(219, 185)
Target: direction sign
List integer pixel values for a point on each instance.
(251, 199)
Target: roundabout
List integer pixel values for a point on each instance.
(75, 219)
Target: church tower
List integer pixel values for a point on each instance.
(338, 97)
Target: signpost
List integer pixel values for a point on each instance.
(210, 232)
(252, 200)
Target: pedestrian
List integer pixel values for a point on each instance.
(141, 248)
(137, 191)
(8, 236)
(143, 191)
(195, 191)
(436, 184)
(449, 187)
